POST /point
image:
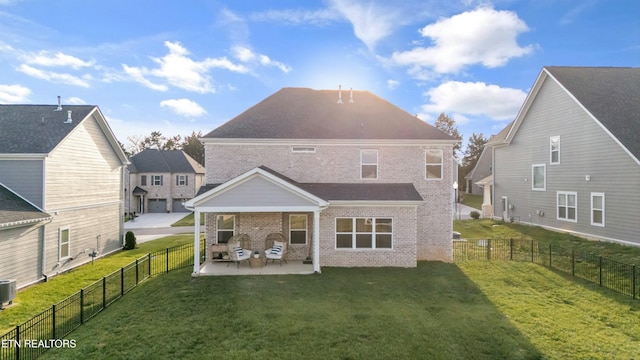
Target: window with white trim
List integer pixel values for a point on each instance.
(364, 233)
(597, 209)
(182, 180)
(368, 164)
(567, 206)
(298, 229)
(433, 163)
(303, 149)
(226, 225)
(156, 180)
(64, 243)
(539, 177)
(554, 150)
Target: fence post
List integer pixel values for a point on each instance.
(167, 260)
(600, 266)
(149, 260)
(511, 249)
(531, 250)
(136, 271)
(81, 306)
(549, 255)
(53, 321)
(17, 348)
(634, 282)
(573, 262)
(489, 249)
(121, 281)
(104, 292)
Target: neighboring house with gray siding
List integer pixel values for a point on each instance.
(160, 181)
(479, 172)
(570, 161)
(62, 165)
(347, 177)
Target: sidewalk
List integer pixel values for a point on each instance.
(148, 227)
(462, 212)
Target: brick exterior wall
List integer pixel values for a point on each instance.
(426, 237)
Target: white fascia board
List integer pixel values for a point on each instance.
(255, 209)
(23, 156)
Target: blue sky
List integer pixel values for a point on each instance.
(180, 66)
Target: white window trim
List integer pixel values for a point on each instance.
(306, 229)
(566, 194)
(354, 233)
(182, 180)
(544, 182)
(594, 194)
(551, 150)
(60, 230)
(362, 163)
(233, 231)
(441, 164)
(301, 149)
(153, 180)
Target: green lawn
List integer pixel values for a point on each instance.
(37, 298)
(188, 220)
(501, 310)
(474, 201)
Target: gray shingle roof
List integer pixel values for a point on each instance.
(37, 129)
(164, 161)
(611, 94)
(14, 209)
(301, 113)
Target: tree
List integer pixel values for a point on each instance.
(193, 147)
(474, 149)
(447, 125)
(154, 141)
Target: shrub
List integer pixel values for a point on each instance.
(474, 215)
(129, 241)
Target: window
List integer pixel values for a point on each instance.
(597, 209)
(182, 180)
(554, 150)
(368, 164)
(567, 206)
(143, 180)
(364, 233)
(433, 164)
(298, 229)
(226, 228)
(64, 249)
(303, 149)
(156, 180)
(539, 177)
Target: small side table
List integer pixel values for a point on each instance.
(256, 262)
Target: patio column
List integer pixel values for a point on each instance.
(316, 241)
(196, 243)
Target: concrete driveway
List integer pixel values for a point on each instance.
(148, 227)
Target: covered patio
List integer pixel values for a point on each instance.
(259, 201)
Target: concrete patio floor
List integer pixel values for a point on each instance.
(219, 268)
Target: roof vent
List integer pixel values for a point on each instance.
(59, 108)
(339, 94)
(351, 101)
(68, 117)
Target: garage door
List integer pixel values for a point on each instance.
(177, 206)
(157, 205)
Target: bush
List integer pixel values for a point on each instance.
(129, 241)
(474, 215)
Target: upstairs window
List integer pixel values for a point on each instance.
(368, 164)
(182, 180)
(433, 164)
(554, 150)
(567, 206)
(156, 180)
(539, 177)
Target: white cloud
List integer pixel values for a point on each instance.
(75, 101)
(481, 36)
(246, 55)
(44, 58)
(476, 99)
(55, 77)
(298, 16)
(178, 70)
(13, 94)
(184, 107)
(371, 21)
(392, 84)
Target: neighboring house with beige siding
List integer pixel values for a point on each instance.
(160, 181)
(347, 177)
(571, 160)
(65, 163)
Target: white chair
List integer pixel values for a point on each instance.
(276, 245)
(236, 247)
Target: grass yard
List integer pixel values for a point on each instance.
(188, 220)
(474, 201)
(39, 297)
(480, 310)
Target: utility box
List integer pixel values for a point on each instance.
(7, 291)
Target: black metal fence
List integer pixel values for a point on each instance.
(47, 329)
(607, 273)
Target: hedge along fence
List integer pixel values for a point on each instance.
(607, 273)
(46, 330)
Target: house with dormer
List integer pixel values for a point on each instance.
(348, 179)
(61, 192)
(571, 159)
